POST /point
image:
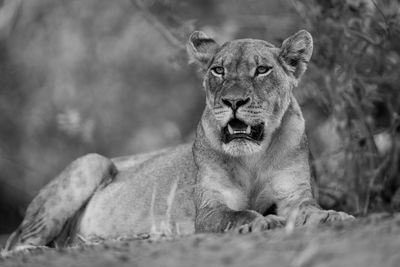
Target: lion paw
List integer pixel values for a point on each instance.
(323, 216)
(262, 223)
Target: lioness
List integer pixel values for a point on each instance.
(250, 155)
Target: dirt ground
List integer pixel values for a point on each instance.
(371, 241)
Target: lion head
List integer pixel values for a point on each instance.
(248, 85)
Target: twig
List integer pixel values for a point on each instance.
(170, 201)
(306, 255)
(378, 79)
(152, 210)
(378, 172)
(383, 16)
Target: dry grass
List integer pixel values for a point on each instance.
(371, 241)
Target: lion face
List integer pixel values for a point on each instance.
(248, 86)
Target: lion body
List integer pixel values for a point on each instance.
(150, 191)
(250, 154)
(171, 173)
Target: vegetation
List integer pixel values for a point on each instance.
(354, 80)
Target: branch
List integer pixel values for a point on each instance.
(365, 37)
(8, 16)
(165, 32)
(300, 10)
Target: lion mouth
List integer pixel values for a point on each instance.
(237, 129)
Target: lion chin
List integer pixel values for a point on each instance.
(241, 147)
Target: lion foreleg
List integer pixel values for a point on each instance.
(213, 215)
(300, 208)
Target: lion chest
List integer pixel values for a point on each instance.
(249, 189)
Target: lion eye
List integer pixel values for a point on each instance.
(218, 71)
(263, 70)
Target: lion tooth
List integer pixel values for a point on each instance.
(230, 130)
(248, 129)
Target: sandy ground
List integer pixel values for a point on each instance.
(371, 241)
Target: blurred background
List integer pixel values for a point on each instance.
(112, 77)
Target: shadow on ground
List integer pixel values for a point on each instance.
(371, 241)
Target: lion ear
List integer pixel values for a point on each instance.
(201, 48)
(296, 52)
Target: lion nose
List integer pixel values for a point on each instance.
(235, 103)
